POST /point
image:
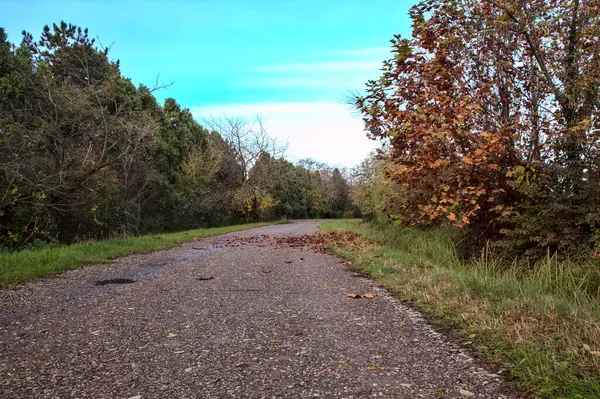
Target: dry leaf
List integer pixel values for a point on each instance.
(464, 392)
(365, 295)
(587, 347)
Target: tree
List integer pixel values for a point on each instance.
(490, 110)
(250, 139)
(75, 130)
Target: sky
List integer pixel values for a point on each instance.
(292, 62)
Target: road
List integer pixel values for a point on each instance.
(226, 318)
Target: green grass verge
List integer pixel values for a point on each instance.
(541, 322)
(17, 267)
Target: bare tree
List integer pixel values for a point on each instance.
(249, 138)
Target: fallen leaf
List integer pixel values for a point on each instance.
(406, 385)
(136, 397)
(275, 341)
(587, 347)
(372, 368)
(365, 295)
(171, 335)
(342, 361)
(464, 392)
(188, 370)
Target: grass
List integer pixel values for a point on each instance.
(21, 266)
(540, 322)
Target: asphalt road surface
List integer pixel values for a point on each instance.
(226, 318)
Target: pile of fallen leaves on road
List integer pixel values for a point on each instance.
(319, 242)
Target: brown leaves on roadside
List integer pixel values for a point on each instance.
(319, 242)
(368, 295)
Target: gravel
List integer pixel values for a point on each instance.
(215, 319)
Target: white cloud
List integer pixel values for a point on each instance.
(374, 52)
(326, 131)
(338, 82)
(335, 66)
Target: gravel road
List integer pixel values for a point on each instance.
(220, 319)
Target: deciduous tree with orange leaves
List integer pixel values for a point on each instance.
(491, 110)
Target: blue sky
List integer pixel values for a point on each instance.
(292, 62)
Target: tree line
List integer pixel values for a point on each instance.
(490, 118)
(84, 154)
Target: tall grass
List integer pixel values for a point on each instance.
(540, 321)
(20, 266)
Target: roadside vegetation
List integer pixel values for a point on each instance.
(482, 203)
(540, 322)
(85, 154)
(19, 266)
